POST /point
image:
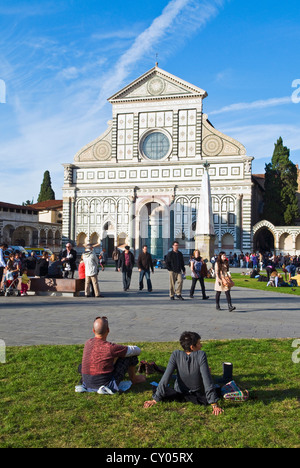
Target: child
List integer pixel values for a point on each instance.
(24, 282)
(12, 272)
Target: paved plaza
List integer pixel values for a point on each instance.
(141, 316)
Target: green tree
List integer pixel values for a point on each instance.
(46, 192)
(280, 201)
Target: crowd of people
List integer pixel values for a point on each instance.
(104, 364)
(67, 262)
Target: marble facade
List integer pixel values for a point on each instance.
(140, 181)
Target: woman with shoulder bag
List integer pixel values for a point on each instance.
(223, 281)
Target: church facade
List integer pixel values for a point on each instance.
(140, 181)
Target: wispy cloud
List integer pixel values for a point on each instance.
(180, 18)
(53, 121)
(261, 104)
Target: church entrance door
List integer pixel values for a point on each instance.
(151, 229)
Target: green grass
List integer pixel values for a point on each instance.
(39, 407)
(242, 281)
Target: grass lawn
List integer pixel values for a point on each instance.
(242, 281)
(39, 407)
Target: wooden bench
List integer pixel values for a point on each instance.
(55, 286)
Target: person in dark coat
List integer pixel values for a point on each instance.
(144, 264)
(42, 265)
(68, 257)
(126, 264)
(176, 267)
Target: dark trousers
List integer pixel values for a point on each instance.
(1, 274)
(194, 282)
(228, 297)
(120, 368)
(147, 274)
(193, 397)
(127, 273)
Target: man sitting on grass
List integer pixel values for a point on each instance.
(104, 363)
(194, 382)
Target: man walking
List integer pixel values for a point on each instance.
(176, 267)
(126, 264)
(145, 263)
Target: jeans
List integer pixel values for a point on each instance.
(127, 273)
(145, 273)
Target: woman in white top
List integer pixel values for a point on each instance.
(223, 281)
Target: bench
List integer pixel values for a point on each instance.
(55, 286)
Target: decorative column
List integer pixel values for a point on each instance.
(205, 231)
(132, 218)
(238, 229)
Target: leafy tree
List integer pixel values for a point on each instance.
(280, 203)
(28, 202)
(46, 192)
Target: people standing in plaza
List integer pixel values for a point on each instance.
(103, 259)
(91, 270)
(126, 264)
(3, 247)
(223, 281)
(115, 256)
(68, 257)
(145, 264)
(199, 272)
(176, 267)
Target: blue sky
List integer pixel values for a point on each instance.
(61, 60)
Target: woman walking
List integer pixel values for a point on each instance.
(223, 281)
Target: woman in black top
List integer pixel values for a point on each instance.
(194, 381)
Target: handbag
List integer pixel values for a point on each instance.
(227, 282)
(231, 391)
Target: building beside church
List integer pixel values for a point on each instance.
(140, 181)
(34, 225)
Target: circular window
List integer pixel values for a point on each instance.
(156, 146)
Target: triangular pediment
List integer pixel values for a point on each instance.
(157, 84)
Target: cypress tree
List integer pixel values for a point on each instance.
(46, 192)
(280, 203)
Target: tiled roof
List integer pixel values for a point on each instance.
(47, 205)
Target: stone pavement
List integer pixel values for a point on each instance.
(140, 316)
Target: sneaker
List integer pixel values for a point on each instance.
(231, 308)
(180, 298)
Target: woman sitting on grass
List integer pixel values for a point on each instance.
(194, 382)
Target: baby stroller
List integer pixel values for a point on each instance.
(11, 282)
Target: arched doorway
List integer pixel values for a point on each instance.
(151, 229)
(263, 240)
